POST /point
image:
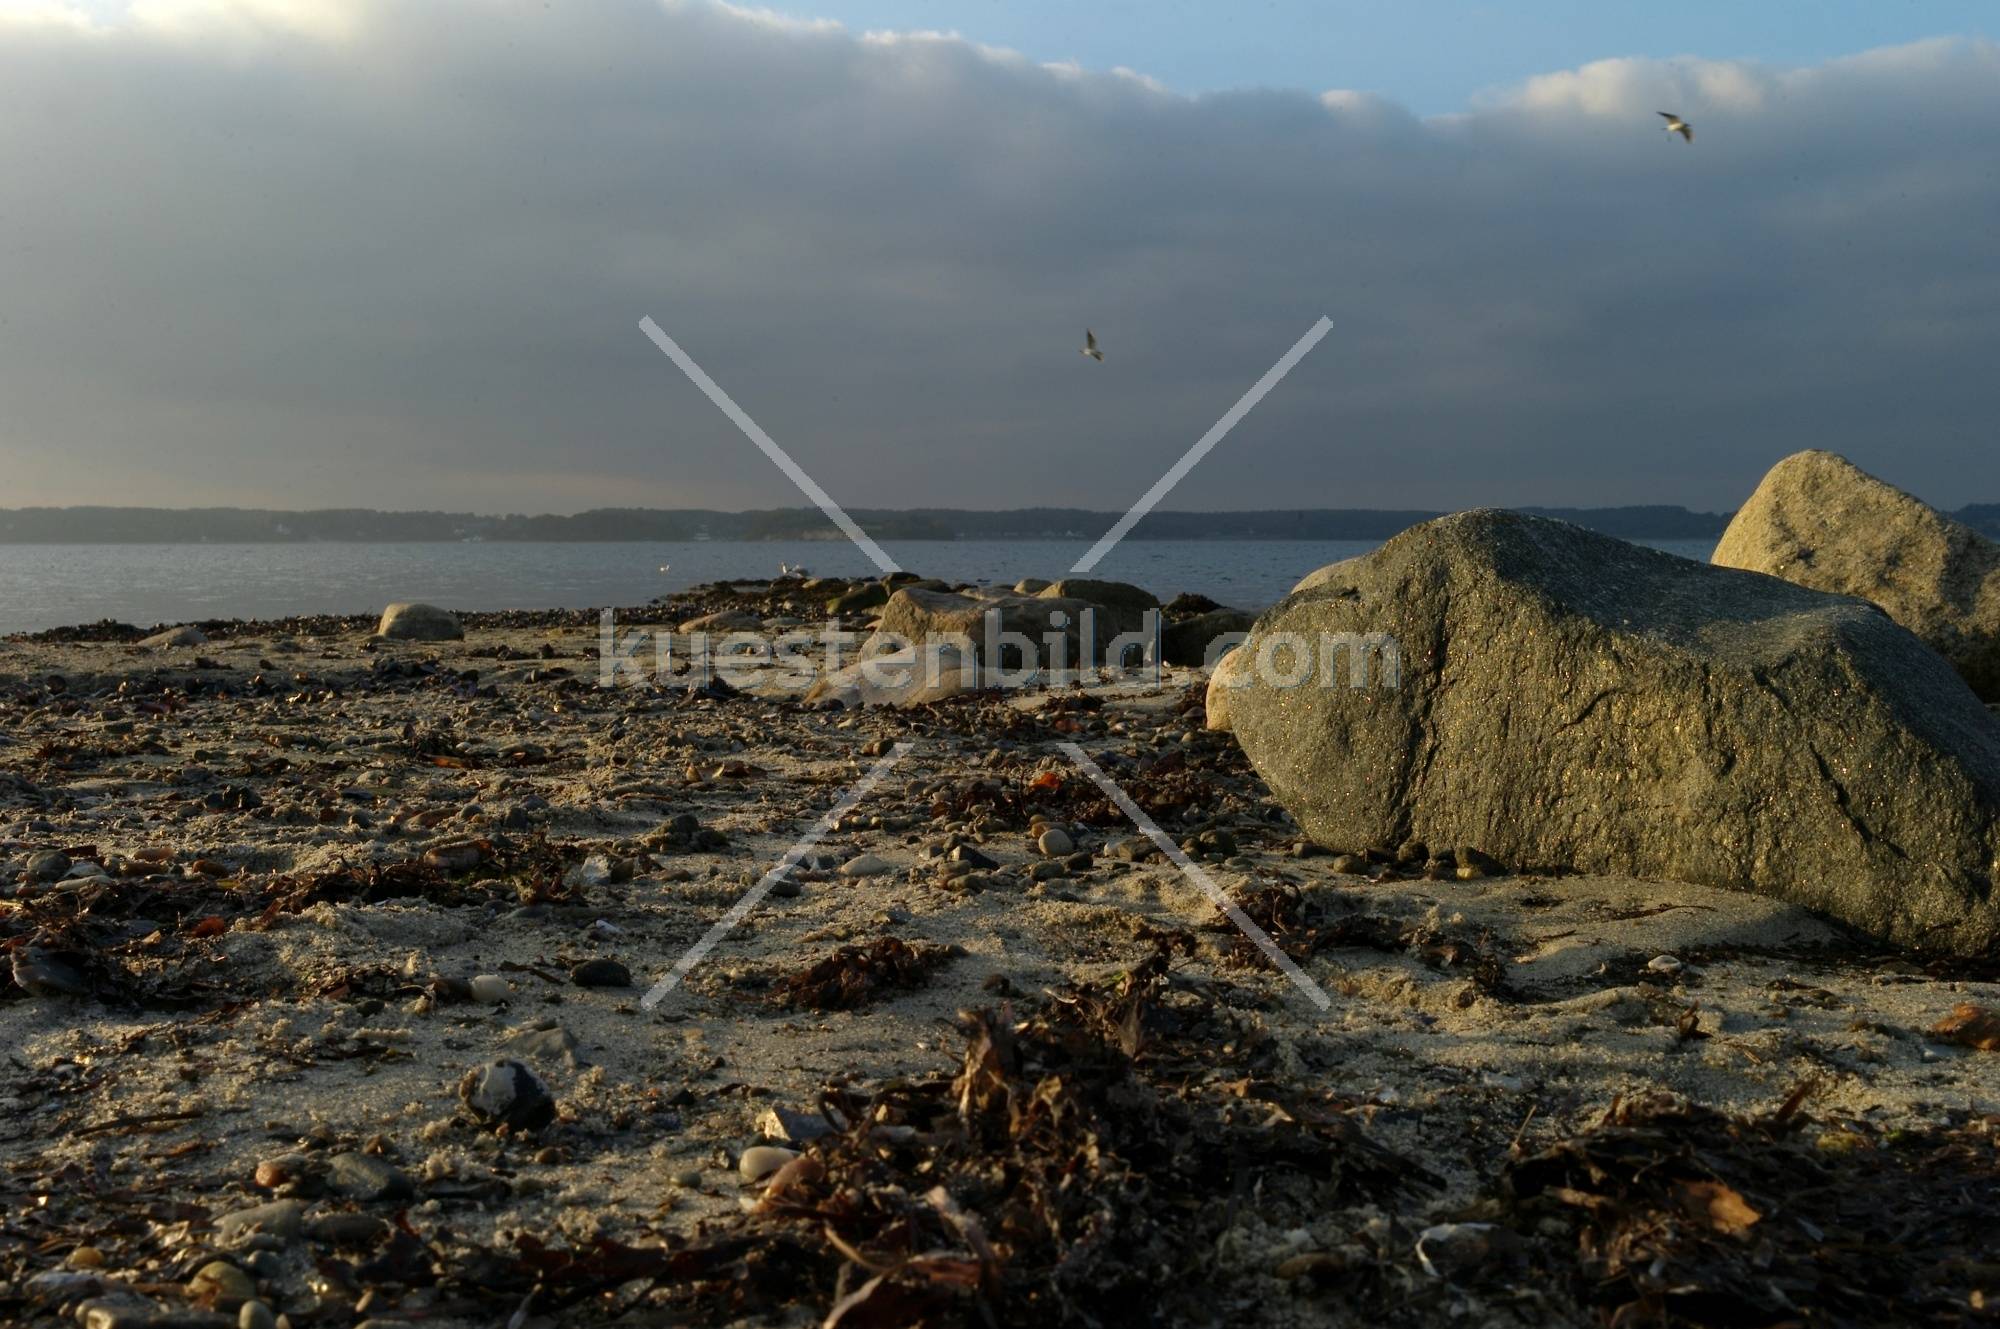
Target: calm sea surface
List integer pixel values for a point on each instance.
(43, 586)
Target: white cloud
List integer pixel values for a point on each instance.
(395, 254)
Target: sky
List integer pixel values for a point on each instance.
(297, 253)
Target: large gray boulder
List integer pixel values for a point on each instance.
(1557, 697)
(419, 622)
(1820, 521)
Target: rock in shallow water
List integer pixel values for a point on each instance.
(1820, 521)
(1565, 698)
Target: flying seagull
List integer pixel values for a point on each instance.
(1676, 125)
(1090, 346)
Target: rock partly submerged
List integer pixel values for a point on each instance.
(1820, 521)
(1557, 697)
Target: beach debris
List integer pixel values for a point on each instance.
(601, 973)
(41, 972)
(793, 1128)
(856, 976)
(1970, 1025)
(506, 1093)
(365, 1177)
(1687, 1213)
(1460, 1251)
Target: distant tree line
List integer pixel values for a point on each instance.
(106, 525)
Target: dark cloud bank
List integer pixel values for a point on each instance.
(392, 255)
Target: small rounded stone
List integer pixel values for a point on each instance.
(223, 1283)
(760, 1161)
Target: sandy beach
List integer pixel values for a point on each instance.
(309, 880)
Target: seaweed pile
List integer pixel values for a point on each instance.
(1079, 1168)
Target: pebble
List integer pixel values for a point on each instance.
(1449, 1250)
(256, 1315)
(490, 989)
(1665, 964)
(1055, 842)
(368, 1178)
(601, 973)
(85, 1257)
(1349, 864)
(48, 865)
(866, 865)
(221, 1282)
(349, 1231)
(542, 1040)
(505, 1092)
(279, 1218)
(760, 1161)
(40, 974)
(781, 1123)
(457, 856)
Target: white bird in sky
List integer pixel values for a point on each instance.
(1676, 125)
(1090, 346)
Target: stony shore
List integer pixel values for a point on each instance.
(275, 902)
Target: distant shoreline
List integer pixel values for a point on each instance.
(111, 525)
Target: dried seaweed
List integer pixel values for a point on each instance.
(1682, 1214)
(1068, 1173)
(1302, 926)
(856, 976)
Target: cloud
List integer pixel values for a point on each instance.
(300, 253)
